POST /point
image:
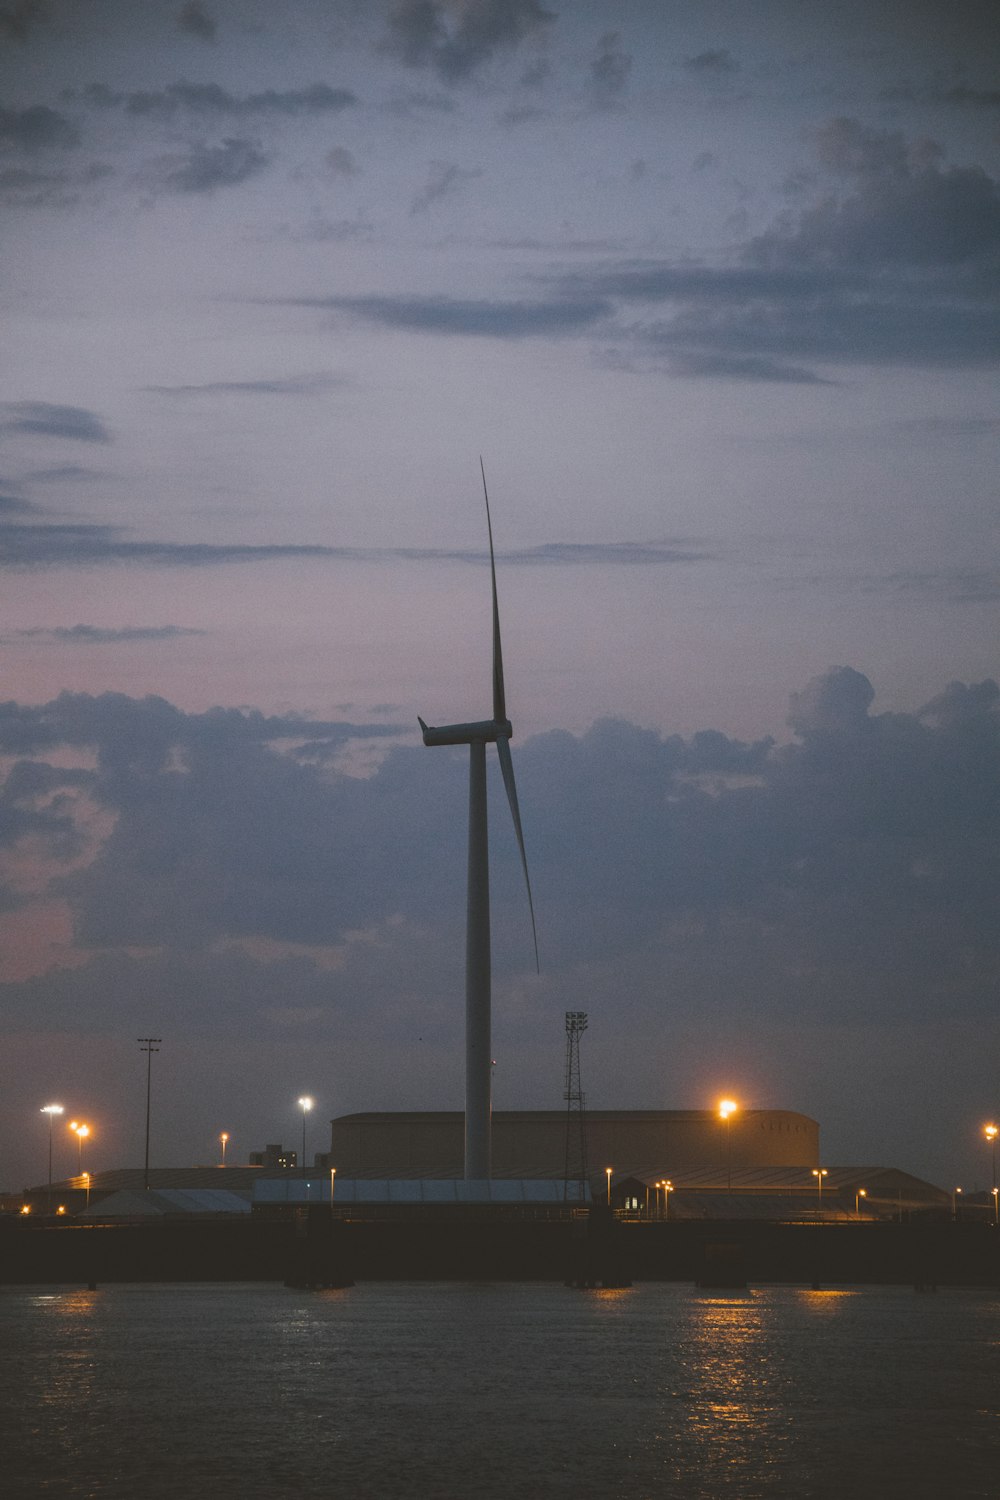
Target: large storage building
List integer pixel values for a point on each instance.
(532, 1143)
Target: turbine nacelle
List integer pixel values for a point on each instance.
(487, 732)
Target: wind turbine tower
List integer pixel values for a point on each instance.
(478, 967)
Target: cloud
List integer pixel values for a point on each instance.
(454, 42)
(49, 420)
(17, 21)
(30, 188)
(448, 315)
(902, 266)
(717, 61)
(37, 128)
(283, 385)
(444, 179)
(95, 635)
(194, 19)
(24, 545)
(211, 99)
(207, 168)
(608, 77)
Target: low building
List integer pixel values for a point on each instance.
(532, 1143)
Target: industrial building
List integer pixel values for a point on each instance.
(532, 1143)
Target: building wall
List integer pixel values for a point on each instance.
(533, 1143)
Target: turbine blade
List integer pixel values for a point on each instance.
(499, 703)
(507, 768)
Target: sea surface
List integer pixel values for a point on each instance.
(469, 1392)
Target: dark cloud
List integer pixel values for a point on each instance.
(444, 179)
(854, 866)
(212, 99)
(49, 420)
(715, 60)
(37, 128)
(938, 92)
(14, 505)
(901, 267)
(207, 168)
(454, 42)
(30, 188)
(194, 19)
(81, 544)
(19, 20)
(95, 635)
(608, 78)
(285, 385)
(447, 315)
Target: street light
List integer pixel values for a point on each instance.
(819, 1173)
(996, 1206)
(861, 1193)
(305, 1104)
(333, 1184)
(727, 1108)
(50, 1110)
(990, 1132)
(668, 1188)
(223, 1139)
(954, 1202)
(607, 1173)
(86, 1183)
(81, 1132)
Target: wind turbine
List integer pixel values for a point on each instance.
(496, 731)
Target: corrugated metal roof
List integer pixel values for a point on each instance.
(158, 1202)
(415, 1190)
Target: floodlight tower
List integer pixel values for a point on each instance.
(576, 1111)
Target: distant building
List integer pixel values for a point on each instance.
(532, 1143)
(274, 1155)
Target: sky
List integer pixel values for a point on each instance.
(713, 291)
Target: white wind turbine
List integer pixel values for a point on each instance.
(497, 731)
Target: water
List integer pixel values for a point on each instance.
(447, 1391)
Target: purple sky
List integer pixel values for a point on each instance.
(713, 289)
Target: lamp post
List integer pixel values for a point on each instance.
(727, 1108)
(607, 1173)
(990, 1132)
(149, 1045)
(305, 1104)
(996, 1206)
(223, 1142)
(333, 1184)
(861, 1193)
(86, 1183)
(81, 1132)
(51, 1110)
(668, 1188)
(819, 1173)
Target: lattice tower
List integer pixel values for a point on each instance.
(576, 1110)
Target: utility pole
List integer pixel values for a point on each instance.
(576, 1114)
(149, 1045)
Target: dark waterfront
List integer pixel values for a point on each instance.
(458, 1391)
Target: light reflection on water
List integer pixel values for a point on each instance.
(469, 1392)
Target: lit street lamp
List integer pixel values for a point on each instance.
(333, 1184)
(86, 1183)
(607, 1173)
(996, 1206)
(668, 1188)
(305, 1104)
(990, 1132)
(819, 1173)
(727, 1108)
(954, 1202)
(50, 1110)
(81, 1132)
(861, 1193)
(223, 1140)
